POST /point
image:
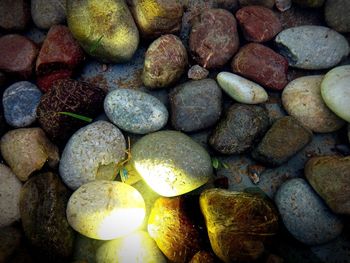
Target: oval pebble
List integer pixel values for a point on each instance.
(135, 111)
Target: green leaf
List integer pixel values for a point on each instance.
(215, 163)
(96, 44)
(77, 116)
(224, 165)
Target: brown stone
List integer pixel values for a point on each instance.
(14, 14)
(203, 257)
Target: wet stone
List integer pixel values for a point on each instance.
(14, 14)
(46, 13)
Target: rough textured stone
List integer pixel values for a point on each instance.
(337, 15)
(46, 13)
(197, 72)
(262, 65)
(305, 215)
(195, 105)
(266, 3)
(310, 3)
(10, 239)
(14, 14)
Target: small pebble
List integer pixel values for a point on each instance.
(283, 5)
(197, 72)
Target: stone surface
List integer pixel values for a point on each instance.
(282, 141)
(43, 212)
(261, 65)
(171, 163)
(337, 15)
(302, 99)
(26, 150)
(93, 152)
(239, 224)
(258, 23)
(10, 240)
(135, 111)
(18, 54)
(335, 91)
(241, 126)
(214, 38)
(20, 101)
(195, 105)
(305, 215)
(48, 13)
(310, 3)
(241, 89)
(105, 29)
(197, 72)
(312, 47)
(330, 177)
(14, 14)
(10, 189)
(266, 3)
(105, 210)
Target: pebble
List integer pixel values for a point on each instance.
(105, 210)
(335, 91)
(302, 99)
(20, 102)
(241, 89)
(310, 3)
(203, 257)
(26, 150)
(197, 72)
(266, 3)
(283, 5)
(312, 47)
(135, 111)
(14, 15)
(10, 240)
(92, 153)
(46, 13)
(337, 15)
(305, 215)
(261, 65)
(190, 165)
(195, 105)
(10, 190)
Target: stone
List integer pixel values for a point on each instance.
(85, 249)
(261, 65)
(241, 89)
(92, 153)
(105, 210)
(282, 141)
(20, 101)
(105, 29)
(197, 72)
(258, 23)
(27, 150)
(10, 240)
(171, 163)
(202, 257)
(302, 99)
(283, 5)
(59, 56)
(310, 3)
(10, 190)
(305, 215)
(48, 13)
(330, 177)
(72, 96)
(214, 38)
(43, 212)
(135, 111)
(18, 54)
(335, 91)
(336, 15)
(312, 47)
(195, 105)
(239, 224)
(14, 15)
(239, 129)
(266, 3)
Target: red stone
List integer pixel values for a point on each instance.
(258, 23)
(45, 82)
(262, 65)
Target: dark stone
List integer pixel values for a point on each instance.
(14, 14)
(10, 240)
(337, 15)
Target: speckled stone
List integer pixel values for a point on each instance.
(10, 240)
(93, 152)
(171, 163)
(10, 189)
(135, 111)
(312, 47)
(46, 13)
(305, 215)
(20, 102)
(337, 15)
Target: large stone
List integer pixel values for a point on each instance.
(14, 14)
(46, 13)
(337, 15)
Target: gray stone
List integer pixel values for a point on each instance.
(305, 215)
(20, 102)
(337, 15)
(312, 47)
(135, 111)
(46, 13)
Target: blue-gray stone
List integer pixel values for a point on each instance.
(135, 111)
(305, 215)
(20, 101)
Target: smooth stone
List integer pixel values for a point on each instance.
(10, 190)
(20, 102)
(10, 240)
(335, 91)
(14, 14)
(310, 3)
(26, 150)
(46, 13)
(135, 111)
(330, 177)
(171, 163)
(195, 105)
(312, 47)
(92, 153)
(302, 99)
(305, 215)
(337, 15)
(105, 210)
(241, 89)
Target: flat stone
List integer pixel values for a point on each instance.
(337, 15)
(46, 13)
(14, 14)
